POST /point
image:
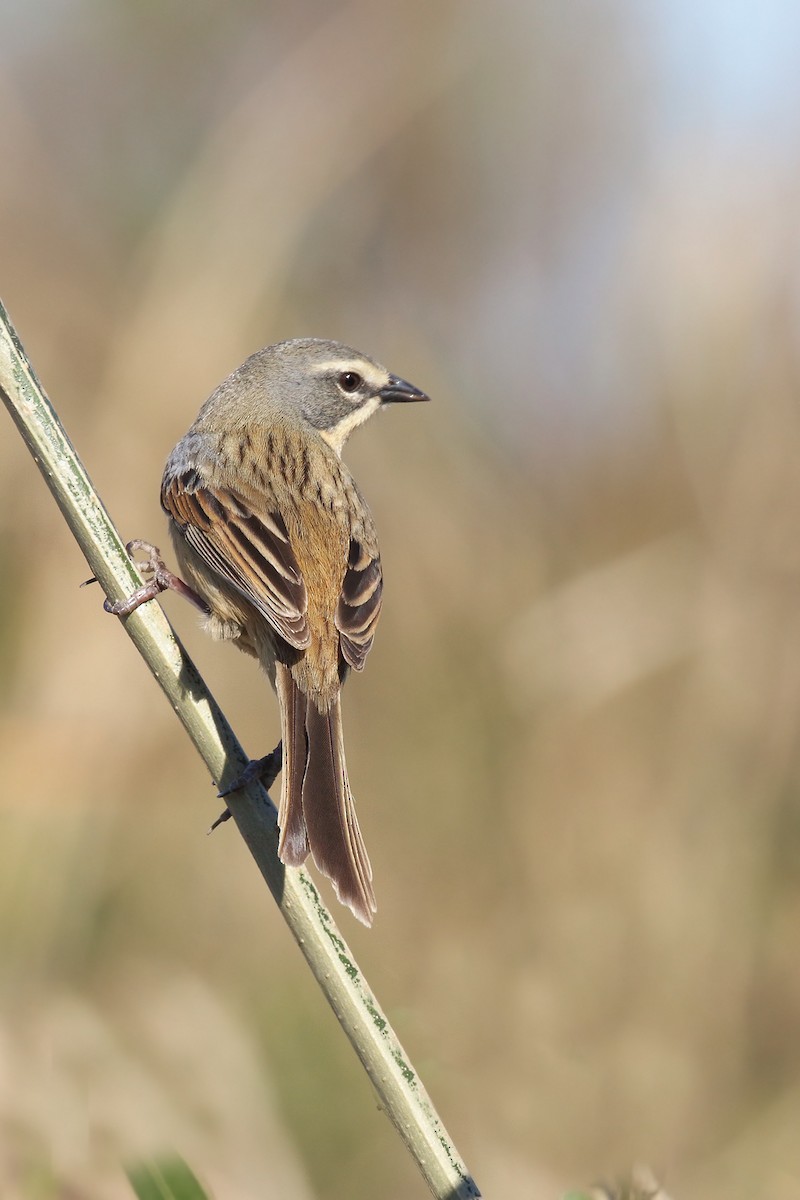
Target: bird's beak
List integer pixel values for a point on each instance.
(398, 391)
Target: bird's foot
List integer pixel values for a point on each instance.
(265, 770)
(162, 580)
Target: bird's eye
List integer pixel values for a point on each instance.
(350, 381)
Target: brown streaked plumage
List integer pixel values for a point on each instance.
(273, 534)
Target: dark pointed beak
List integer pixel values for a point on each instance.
(398, 391)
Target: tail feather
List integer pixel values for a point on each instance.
(293, 844)
(317, 810)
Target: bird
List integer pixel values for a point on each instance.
(278, 547)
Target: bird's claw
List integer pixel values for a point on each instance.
(265, 770)
(162, 580)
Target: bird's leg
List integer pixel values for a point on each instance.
(265, 770)
(162, 580)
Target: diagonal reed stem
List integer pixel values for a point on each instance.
(392, 1074)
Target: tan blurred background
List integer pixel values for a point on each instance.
(575, 747)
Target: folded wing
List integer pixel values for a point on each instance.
(249, 549)
(359, 604)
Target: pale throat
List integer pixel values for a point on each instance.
(337, 436)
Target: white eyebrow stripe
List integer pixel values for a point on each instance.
(335, 364)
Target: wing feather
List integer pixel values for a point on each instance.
(359, 604)
(249, 549)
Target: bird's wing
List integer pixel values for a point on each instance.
(359, 603)
(249, 549)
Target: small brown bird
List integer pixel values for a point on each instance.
(273, 535)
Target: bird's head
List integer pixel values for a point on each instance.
(334, 388)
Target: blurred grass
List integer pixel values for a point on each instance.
(575, 747)
(168, 1180)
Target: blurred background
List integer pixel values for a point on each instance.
(576, 225)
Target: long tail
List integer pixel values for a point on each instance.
(317, 811)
